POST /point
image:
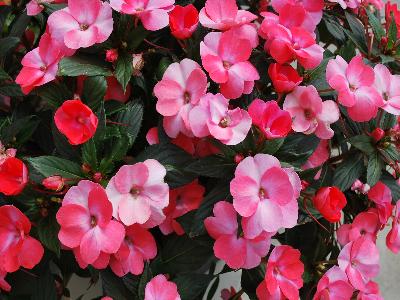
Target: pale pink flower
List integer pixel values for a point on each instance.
(82, 24)
(334, 285)
(370, 293)
(138, 246)
(181, 87)
(212, 116)
(359, 187)
(388, 86)
(286, 45)
(364, 224)
(86, 222)
(159, 288)
(381, 195)
(354, 84)
(224, 15)
(310, 114)
(237, 252)
(393, 237)
(138, 193)
(152, 13)
(181, 201)
(225, 57)
(360, 260)
(40, 65)
(265, 194)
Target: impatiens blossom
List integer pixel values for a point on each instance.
(310, 114)
(181, 87)
(212, 116)
(388, 86)
(138, 192)
(270, 119)
(283, 276)
(236, 251)
(4, 285)
(76, 121)
(330, 201)
(393, 237)
(364, 224)
(82, 24)
(284, 77)
(159, 288)
(223, 15)
(13, 176)
(347, 3)
(286, 45)
(152, 13)
(181, 201)
(86, 222)
(381, 195)
(40, 65)
(370, 293)
(265, 194)
(225, 57)
(183, 21)
(334, 285)
(360, 260)
(138, 246)
(17, 247)
(354, 84)
(35, 7)
(319, 157)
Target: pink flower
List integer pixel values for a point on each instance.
(370, 293)
(17, 248)
(181, 201)
(364, 224)
(330, 201)
(284, 272)
(138, 192)
(310, 114)
(82, 24)
(223, 15)
(152, 13)
(183, 21)
(347, 3)
(284, 77)
(312, 11)
(360, 260)
(213, 117)
(381, 195)
(40, 65)
(4, 285)
(353, 82)
(320, 155)
(160, 288)
(288, 44)
(393, 237)
(100, 263)
(334, 285)
(237, 252)
(270, 119)
(86, 222)
(225, 57)
(138, 246)
(360, 188)
(181, 87)
(388, 86)
(265, 194)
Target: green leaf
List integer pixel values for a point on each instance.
(391, 153)
(251, 279)
(191, 286)
(272, 146)
(124, 69)
(136, 37)
(51, 165)
(4, 75)
(392, 32)
(55, 93)
(11, 90)
(83, 65)
(214, 166)
(392, 183)
(364, 143)
(374, 169)
(348, 171)
(7, 44)
(132, 118)
(144, 279)
(89, 154)
(334, 28)
(20, 130)
(388, 121)
(45, 287)
(20, 24)
(114, 287)
(213, 289)
(94, 89)
(376, 25)
(48, 234)
(357, 34)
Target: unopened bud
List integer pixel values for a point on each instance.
(138, 63)
(238, 158)
(54, 183)
(378, 134)
(97, 177)
(111, 55)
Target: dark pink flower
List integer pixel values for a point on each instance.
(334, 285)
(370, 293)
(284, 77)
(115, 92)
(320, 155)
(330, 201)
(183, 21)
(393, 237)
(236, 251)
(159, 288)
(381, 195)
(4, 285)
(13, 176)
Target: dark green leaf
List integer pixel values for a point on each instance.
(55, 93)
(20, 24)
(374, 169)
(136, 37)
(392, 32)
(45, 287)
(357, 34)
(11, 89)
(114, 287)
(213, 289)
(387, 121)
(364, 143)
(7, 44)
(48, 233)
(4, 75)
(391, 182)
(348, 171)
(144, 279)
(391, 153)
(376, 25)
(335, 29)
(94, 90)
(83, 65)
(191, 286)
(212, 166)
(272, 146)
(123, 69)
(251, 279)
(132, 118)
(51, 165)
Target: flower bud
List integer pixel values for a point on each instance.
(238, 158)
(329, 201)
(138, 63)
(378, 134)
(54, 183)
(111, 55)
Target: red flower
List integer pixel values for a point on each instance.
(329, 201)
(183, 21)
(284, 77)
(13, 176)
(76, 121)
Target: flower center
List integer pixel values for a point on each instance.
(83, 27)
(296, 46)
(43, 68)
(186, 97)
(224, 122)
(352, 87)
(262, 193)
(81, 120)
(308, 114)
(226, 64)
(135, 191)
(385, 96)
(93, 221)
